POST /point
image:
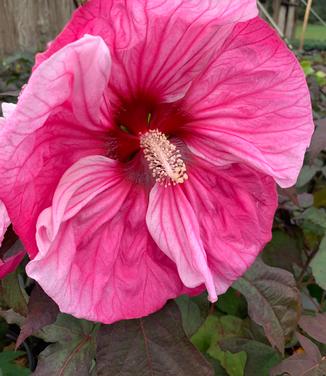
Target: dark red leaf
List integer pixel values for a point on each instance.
(8, 242)
(273, 301)
(307, 363)
(72, 349)
(315, 326)
(318, 142)
(42, 311)
(153, 345)
(288, 193)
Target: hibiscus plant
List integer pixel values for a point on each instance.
(141, 169)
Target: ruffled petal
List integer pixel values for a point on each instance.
(57, 120)
(96, 258)
(252, 105)
(214, 225)
(235, 207)
(77, 74)
(174, 226)
(157, 46)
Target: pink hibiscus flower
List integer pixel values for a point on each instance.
(141, 160)
(9, 262)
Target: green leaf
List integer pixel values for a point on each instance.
(12, 317)
(214, 330)
(307, 67)
(13, 295)
(207, 334)
(234, 364)
(318, 141)
(8, 367)
(73, 350)
(193, 311)
(3, 331)
(232, 303)
(273, 301)
(260, 357)
(283, 251)
(153, 345)
(305, 200)
(321, 78)
(320, 198)
(218, 369)
(315, 220)
(318, 264)
(306, 174)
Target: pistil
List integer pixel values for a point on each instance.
(164, 158)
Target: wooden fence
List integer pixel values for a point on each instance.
(27, 25)
(284, 14)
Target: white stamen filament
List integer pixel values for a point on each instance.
(164, 158)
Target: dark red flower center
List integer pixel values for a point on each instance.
(144, 132)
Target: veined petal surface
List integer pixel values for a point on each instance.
(58, 120)
(215, 224)
(174, 226)
(252, 105)
(235, 207)
(157, 46)
(96, 258)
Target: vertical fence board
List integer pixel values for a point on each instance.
(284, 14)
(291, 22)
(27, 25)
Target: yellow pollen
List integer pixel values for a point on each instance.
(164, 158)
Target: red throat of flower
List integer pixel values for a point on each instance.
(144, 140)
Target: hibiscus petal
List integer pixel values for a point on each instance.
(96, 258)
(10, 264)
(235, 207)
(181, 36)
(78, 73)
(57, 121)
(214, 225)
(4, 221)
(8, 109)
(158, 46)
(174, 226)
(221, 11)
(252, 105)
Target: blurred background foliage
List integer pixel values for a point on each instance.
(272, 321)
